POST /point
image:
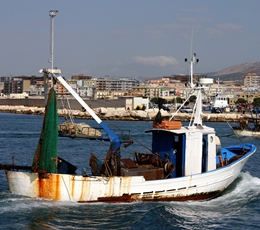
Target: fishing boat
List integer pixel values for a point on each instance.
(72, 129)
(185, 162)
(248, 126)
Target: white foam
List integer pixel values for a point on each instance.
(241, 192)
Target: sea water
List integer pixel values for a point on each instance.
(237, 208)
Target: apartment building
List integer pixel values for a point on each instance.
(147, 91)
(109, 84)
(110, 88)
(17, 85)
(251, 79)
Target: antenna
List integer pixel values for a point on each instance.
(52, 14)
(191, 43)
(192, 61)
(45, 71)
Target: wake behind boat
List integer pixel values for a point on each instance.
(185, 163)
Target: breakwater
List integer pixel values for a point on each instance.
(62, 102)
(120, 113)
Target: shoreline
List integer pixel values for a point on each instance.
(122, 114)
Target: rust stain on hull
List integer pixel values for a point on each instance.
(96, 189)
(132, 198)
(49, 185)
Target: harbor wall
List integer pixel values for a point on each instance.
(74, 104)
(121, 113)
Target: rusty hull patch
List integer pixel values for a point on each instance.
(49, 186)
(138, 197)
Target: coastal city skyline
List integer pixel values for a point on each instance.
(127, 38)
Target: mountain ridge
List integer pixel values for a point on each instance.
(236, 72)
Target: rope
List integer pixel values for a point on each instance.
(66, 110)
(190, 94)
(108, 170)
(233, 131)
(70, 113)
(193, 112)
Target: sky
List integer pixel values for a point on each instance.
(128, 38)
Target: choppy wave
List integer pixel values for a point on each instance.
(221, 211)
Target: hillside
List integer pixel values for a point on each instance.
(237, 72)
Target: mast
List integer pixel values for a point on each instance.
(52, 14)
(56, 73)
(192, 62)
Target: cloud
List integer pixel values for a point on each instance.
(224, 29)
(193, 20)
(83, 71)
(113, 70)
(161, 30)
(194, 10)
(229, 27)
(159, 61)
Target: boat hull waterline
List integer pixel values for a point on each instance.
(78, 188)
(247, 133)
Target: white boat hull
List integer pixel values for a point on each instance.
(247, 133)
(77, 188)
